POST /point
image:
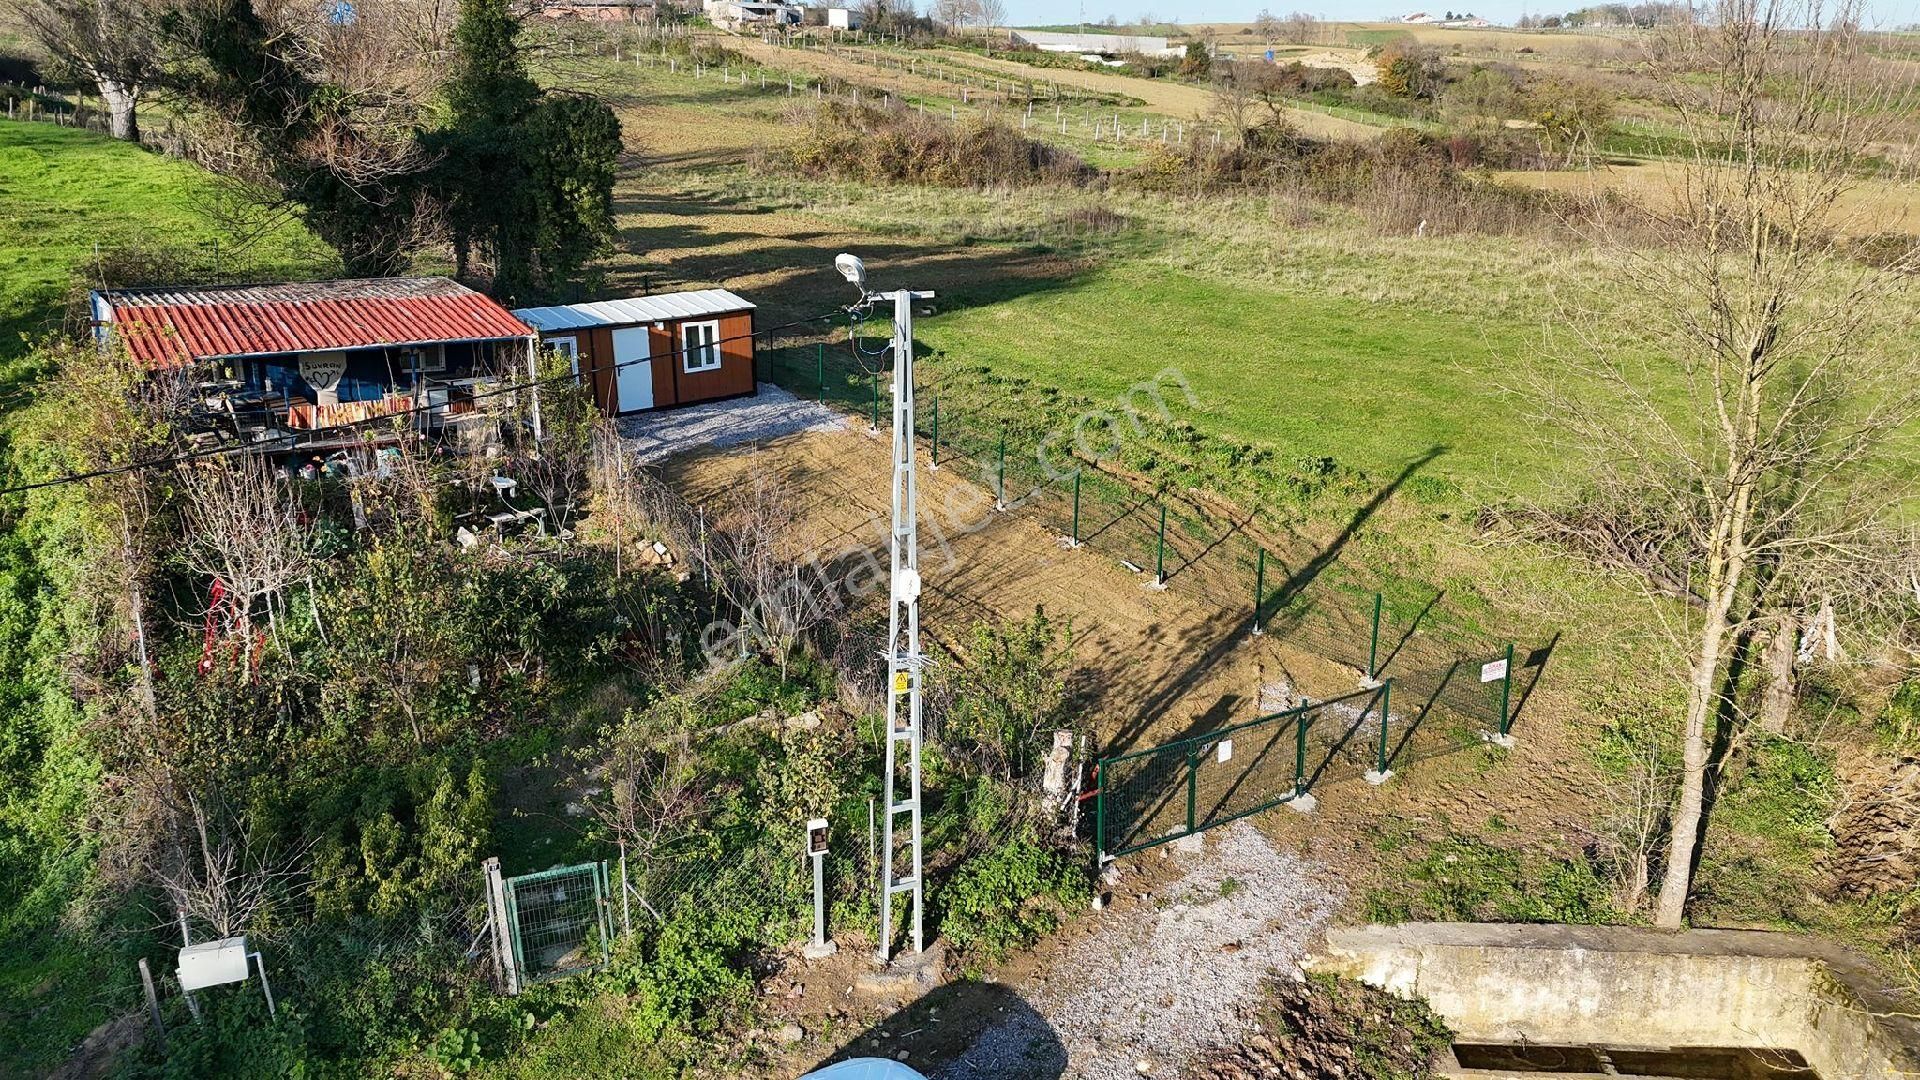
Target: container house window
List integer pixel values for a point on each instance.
(568, 347)
(700, 342)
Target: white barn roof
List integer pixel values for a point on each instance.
(665, 307)
(1106, 44)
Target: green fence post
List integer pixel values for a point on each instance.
(1373, 647)
(1193, 784)
(1300, 754)
(1506, 692)
(1074, 539)
(935, 463)
(1259, 587)
(1099, 811)
(1160, 551)
(1380, 773)
(820, 371)
(1000, 474)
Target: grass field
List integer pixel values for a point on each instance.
(1317, 375)
(65, 194)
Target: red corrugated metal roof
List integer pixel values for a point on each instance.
(167, 327)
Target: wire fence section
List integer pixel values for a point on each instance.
(559, 920)
(1178, 789)
(1453, 682)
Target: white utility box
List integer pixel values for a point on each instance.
(213, 963)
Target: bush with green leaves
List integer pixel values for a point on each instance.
(1007, 896)
(1009, 691)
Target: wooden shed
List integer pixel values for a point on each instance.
(655, 352)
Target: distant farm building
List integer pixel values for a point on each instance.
(632, 11)
(654, 352)
(273, 361)
(752, 14)
(1102, 46)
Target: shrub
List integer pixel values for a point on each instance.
(894, 146)
(1008, 690)
(1411, 71)
(1009, 895)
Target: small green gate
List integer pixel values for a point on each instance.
(559, 921)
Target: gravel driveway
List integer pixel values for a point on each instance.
(769, 414)
(1165, 981)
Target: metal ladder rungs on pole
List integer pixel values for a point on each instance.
(905, 884)
(904, 808)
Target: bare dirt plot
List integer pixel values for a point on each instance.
(1182, 101)
(1157, 663)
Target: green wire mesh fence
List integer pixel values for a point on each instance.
(559, 920)
(1187, 786)
(1456, 682)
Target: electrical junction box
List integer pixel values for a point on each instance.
(213, 963)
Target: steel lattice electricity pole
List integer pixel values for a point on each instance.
(906, 664)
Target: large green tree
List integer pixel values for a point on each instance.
(526, 176)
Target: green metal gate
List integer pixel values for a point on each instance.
(559, 920)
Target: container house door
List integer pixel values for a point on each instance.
(633, 368)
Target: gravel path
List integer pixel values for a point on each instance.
(1165, 981)
(769, 414)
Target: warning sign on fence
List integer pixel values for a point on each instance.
(1494, 671)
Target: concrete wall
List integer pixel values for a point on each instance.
(1634, 987)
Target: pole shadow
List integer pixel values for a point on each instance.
(1328, 555)
(1412, 628)
(1536, 665)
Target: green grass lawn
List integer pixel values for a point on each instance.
(1371, 385)
(65, 194)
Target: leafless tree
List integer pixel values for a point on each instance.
(212, 871)
(752, 553)
(109, 42)
(1749, 378)
(748, 553)
(617, 505)
(992, 14)
(1300, 28)
(953, 14)
(649, 770)
(243, 531)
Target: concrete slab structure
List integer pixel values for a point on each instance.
(1634, 987)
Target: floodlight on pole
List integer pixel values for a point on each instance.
(853, 270)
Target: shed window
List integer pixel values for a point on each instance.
(424, 358)
(701, 343)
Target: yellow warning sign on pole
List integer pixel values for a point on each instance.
(902, 682)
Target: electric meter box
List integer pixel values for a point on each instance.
(213, 963)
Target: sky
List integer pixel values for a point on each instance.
(1045, 12)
